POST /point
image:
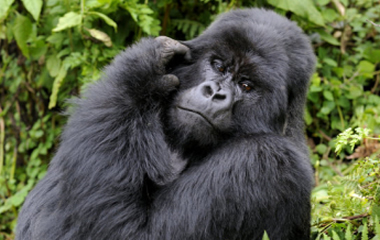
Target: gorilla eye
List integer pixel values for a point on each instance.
(219, 66)
(246, 87)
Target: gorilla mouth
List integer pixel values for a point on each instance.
(197, 113)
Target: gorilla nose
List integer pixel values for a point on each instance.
(212, 90)
(214, 94)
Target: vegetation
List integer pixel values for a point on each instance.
(51, 49)
(348, 206)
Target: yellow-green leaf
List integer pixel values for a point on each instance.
(366, 68)
(108, 20)
(33, 7)
(265, 236)
(101, 36)
(327, 37)
(70, 19)
(22, 28)
(4, 6)
(56, 85)
(53, 65)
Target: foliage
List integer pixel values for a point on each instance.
(344, 91)
(348, 136)
(51, 49)
(348, 206)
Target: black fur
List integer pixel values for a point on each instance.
(117, 172)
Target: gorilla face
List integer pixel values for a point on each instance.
(205, 109)
(229, 87)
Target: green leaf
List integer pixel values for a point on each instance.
(377, 196)
(308, 118)
(316, 80)
(366, 68)
(328, 106)
(265, 236)
(108, 20)
(323, 2)
(372, 55)
(302, 8)
(17, 199)
(33, 7)
(22, 29)
(315, 88)
(4, 7)
(335, 236)
(56, 39)
(313, 97)
(365, 232)
(53, 65)
(345, 2)
(348, 234)
(330, 62)
(343, 102)
(354, 92)
(56, 85)
(375, 211)
(377, 226)
(3, 31)
(330, 15)
(328, 95)
(75, 59)
(327, 37)
(141, 14)
(38, 48)
(321, 148)
(64, 52)
(70, 19)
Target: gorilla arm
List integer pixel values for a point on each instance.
(112, 143)
(246, 186)
(133, 95)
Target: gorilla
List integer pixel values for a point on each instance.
(201, 139)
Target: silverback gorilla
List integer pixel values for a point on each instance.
(201, 139)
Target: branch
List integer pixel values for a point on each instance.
(374, 24)
(357, 216)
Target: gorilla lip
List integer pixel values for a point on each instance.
(197, 113)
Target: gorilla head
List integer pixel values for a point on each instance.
(249, 74)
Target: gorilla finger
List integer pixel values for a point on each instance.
(167, 84)
(180, 48)
(162, 39)
(187, 55)
(172, 47)
(170, 80)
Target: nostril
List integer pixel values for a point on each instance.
(219, 96)
(207, 91)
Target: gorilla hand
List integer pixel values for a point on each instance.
(167, 49)
(171, 47)
(140, 71)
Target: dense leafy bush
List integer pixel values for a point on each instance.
(51, 49)
(348, 206)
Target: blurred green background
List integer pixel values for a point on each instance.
(51, 49)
